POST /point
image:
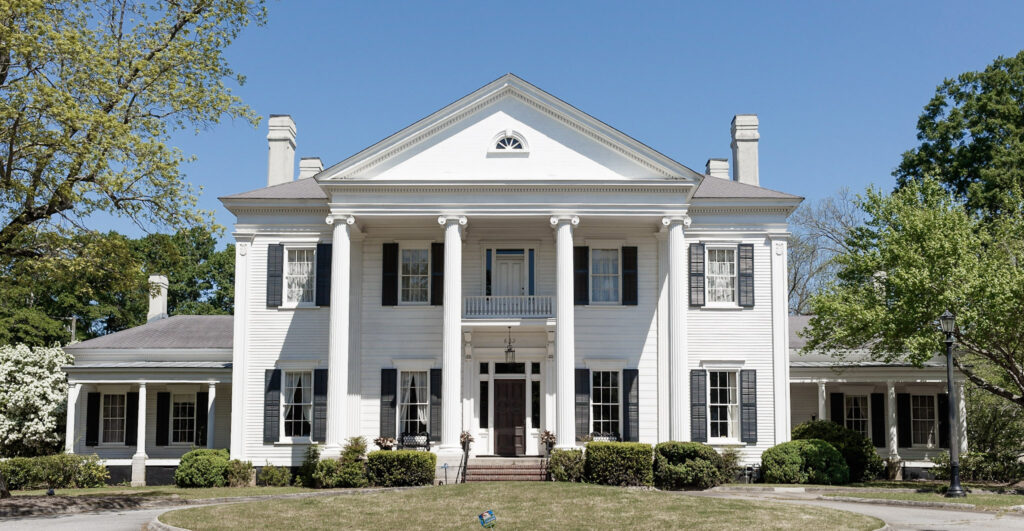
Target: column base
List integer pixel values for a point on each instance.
(139, 470)
(330, 451)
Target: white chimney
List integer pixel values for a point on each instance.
(744, 148)
(717, 168)
(157, 298)
(281, 138)
(310, 166)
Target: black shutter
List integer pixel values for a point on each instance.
(582, 402)
(699, 405)
(696, 274)
(320, 405)
(437, 274)
(581, 275)
(746, 275)
(630, 291)
(163, 418)
(202, 414)
(275, 271)
(92, 419)
(943, 403)
(903, 426)
(837, 408)
(878, 420)
(388, 401)
(389, 275)
(435, 405)
(630, 405)
(748, 406)
(271, 405)
(324, 253)
(131, 419)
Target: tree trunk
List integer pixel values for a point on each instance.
(4, 493)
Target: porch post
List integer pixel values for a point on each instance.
(72, 417)
(565, 333)
(139, 459)
(211, 395)
(451, 340)
(678, 384)
(891, 441)
(337, 350)
(961, 429)
(821, 401)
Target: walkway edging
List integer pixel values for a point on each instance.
(156, 525)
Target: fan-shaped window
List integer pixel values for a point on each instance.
(508, 142)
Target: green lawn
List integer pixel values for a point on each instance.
(981, 500)
(524, 505)
(223, 492)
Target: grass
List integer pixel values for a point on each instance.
(222, 492)
(516, 505)
(981, 500)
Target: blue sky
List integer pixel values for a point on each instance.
(838, 86)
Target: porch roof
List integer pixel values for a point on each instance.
(177, 332)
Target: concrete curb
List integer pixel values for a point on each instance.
(156, 525)
(903, 503)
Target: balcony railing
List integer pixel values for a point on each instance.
(508, 306)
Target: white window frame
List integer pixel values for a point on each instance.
(590, 275)
(618, 403)
(414, 246)
(285, 303)
(732, 409)
(492, 148)
(284, 405)
(195, 425)
(708, 247)
(935, 421)
(867, 413)
(398, 400)
(103, 419)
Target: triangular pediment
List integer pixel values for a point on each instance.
(559, 142)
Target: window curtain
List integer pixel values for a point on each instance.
(413, 383)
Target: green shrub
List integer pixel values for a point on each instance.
(402, 468)
(274, 476)
(202, 468)
(856, 449)
(982, 466)
(60, 471)
(239, 473)
(335, 473)
(687, 465)
(304, 476)
(354, 450)
(619, 463)
(804, 461)
(731, 466)
(566, 465)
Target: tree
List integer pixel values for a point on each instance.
(89, 94)
(920, 252)
(972, 135)
(33, 398)
(819, 231)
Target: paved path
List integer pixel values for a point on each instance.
(105, 521)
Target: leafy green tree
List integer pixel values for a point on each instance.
(972, 135)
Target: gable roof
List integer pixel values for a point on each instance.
(301, 189)
(177, 332)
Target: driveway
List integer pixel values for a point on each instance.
(105, 521)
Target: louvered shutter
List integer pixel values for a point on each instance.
(746, 275)
(878, 420)
(163, 418)
(748, 406)
(630, 277)
(696, 274)
(582, 403)
(837, 408)
(320, 405)
(324, 255)
(630, 405)
(389, 275)
(581, 275)
(271, 405)
(435, 405)
(202, 415)
(131, 419)
(275, 274)
(92, 419)
(699, 405)
(388, 402)
(903, 426)
(437, 274)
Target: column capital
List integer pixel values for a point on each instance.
(348, 219)
(447, 220)
(559, 219)
(142, 385)
(668, 221)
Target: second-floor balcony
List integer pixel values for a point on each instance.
(508, 307)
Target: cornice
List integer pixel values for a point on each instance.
(740, 209)
(324, 210)
(509, 187)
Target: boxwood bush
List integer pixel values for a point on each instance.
(619, 463)
(1005, 467)
(202, 468)
(688, 465)
(239, 473)
(340, 473)
(274, 476)
(60, 471)
(804, 461)
(566, 465)
(856, 449)
(401, 468)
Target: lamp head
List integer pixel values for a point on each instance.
(947, 321)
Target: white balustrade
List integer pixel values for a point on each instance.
(508, 306)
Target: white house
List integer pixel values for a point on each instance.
(644, 301)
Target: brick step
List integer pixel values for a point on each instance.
(471, 471)
(518, 477)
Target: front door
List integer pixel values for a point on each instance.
(510, 417)
(509, 275)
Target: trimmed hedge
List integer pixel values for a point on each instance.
(340, 473)
(857, 450)
(619, 463)
(1004, 467)
(274, 476)
(60, 471)
(804, 461)
(401, 468)
(566, 465)
(688, 465)
(202, 468)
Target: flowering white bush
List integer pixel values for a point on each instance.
(33, 398)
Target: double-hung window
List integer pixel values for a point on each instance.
(414, 273)
(183, 419)
(605, 403)
(721, 276)
(857, 413)
(605, 277)
(922, 420)
(114, 413)
(299, 273)
(723, 405)
(298, 403)
(414, 403)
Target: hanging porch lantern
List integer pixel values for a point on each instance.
(510, 350)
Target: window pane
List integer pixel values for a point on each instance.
(922, 414)
(414, 402)
(299, 276)
(723, 404)
(605, 408)
(604, 275)
(183, 419)
(113, 418)
(298, 403)
(721, 275)
(415, 275)
(857, 414)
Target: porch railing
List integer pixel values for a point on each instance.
(508, 306)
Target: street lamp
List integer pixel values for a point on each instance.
(948, 324)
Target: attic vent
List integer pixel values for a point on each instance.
(509, 142)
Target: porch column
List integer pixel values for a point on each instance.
(210, 396)
(337, 350)
(139, 459)
(678, 305)
(72, 417)
(451, 340)
(565, 333)
(821, 401)
(891, 441)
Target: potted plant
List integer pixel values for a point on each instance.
(466, 439)
(385, 443)
(548, 440)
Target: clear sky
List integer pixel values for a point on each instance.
(838, 86)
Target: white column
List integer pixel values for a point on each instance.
(565, 333)
(337, 350)
(961, 431)
(239, 354)
(821, 401)
(451, 340)
(678, 305)
(891, 433)
(210, 396)
(72, 417)
(139, 459)
(664, 389)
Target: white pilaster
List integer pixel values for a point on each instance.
(139, 459)
(72, 417)
(565, 334)
(238, 356)
(822, 412)
(678, 305)
(780, 338)
(338, 346)
(891, 434)
(211, 395)
(451, 340)
(664, 389)
(550, 398)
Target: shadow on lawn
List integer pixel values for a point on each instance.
(51, 505)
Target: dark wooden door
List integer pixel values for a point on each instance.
(510, 417)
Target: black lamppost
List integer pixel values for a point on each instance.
(948, 323)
